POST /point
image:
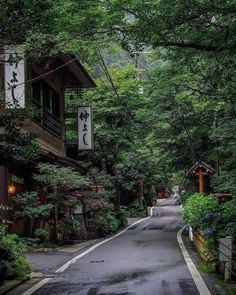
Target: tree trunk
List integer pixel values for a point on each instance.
(56, 222)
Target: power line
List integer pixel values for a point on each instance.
(45, 74)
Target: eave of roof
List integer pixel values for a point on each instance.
(78, 70)
(200, 164)
(64, 161)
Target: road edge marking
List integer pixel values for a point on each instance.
(73, 260)
(198, 280)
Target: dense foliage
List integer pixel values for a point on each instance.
(15, 144)
(207, 215)
(189, 109)
(29, 209)
(189, 105)
(145, 130)
(13, 264)
(61, 184)
(119, 133)
(194, 112)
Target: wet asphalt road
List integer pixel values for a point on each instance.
(144, 260)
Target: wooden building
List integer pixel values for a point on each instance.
(45, 84)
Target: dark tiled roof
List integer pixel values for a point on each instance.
(200, 164)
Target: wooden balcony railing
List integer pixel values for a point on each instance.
(48, 121)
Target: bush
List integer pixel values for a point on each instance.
(227, 218)
(13, 264)
(184, 195)
(109, 223)
(200, 211)
(134, 210)
(4, 223)
(122, 216)
(204, 213)
(41, 234)
(29, 243)
(69, 229)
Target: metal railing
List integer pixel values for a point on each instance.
(48, 121)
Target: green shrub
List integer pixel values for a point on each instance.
(200, 211)
(17, 268)
(185, 195)
(228, 220)
(135, 210)
(30, 243)
(206, 214)
(122, 216)
(4, 223)
(13, 264)
(109, 223)
(41, 234)
(69, 228)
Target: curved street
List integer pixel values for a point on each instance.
(144, 260)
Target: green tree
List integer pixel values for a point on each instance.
(62, 183)
(119, 133)
(30, 209)
(14, 143)
(200, 25)
(194, 112)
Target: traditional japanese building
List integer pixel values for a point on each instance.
(43, 86)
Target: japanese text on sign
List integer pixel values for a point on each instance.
(14, 74)
(84, 128)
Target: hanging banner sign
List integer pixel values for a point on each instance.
(84, 128)
(14, 76)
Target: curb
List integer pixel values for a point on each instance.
(197, 278)
(213, 279)
(12, 285)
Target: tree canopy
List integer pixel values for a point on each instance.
(187, 111)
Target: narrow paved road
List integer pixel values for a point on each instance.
(144, 260)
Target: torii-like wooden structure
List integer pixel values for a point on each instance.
(200, 170)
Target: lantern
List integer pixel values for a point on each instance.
(11, 189)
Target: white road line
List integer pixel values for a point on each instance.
(73, 260)
(200, 284)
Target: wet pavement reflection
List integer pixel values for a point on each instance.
(144, 260)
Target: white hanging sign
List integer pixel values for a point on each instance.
(85, 128)
(14, 76)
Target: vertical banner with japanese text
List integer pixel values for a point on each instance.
(14, 76)
(85, 136)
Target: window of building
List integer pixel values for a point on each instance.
(46, 96)
(47, 102)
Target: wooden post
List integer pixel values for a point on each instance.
(201, 175)
(3, 186)
(201, 185)
(225, 255)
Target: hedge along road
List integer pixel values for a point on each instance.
(145, 259)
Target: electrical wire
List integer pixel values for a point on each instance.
(43, 75)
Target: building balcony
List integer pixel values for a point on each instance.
(48, 121)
